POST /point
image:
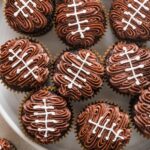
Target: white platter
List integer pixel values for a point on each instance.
(10, 101)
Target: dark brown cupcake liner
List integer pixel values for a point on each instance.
(93, 103)
(13, 146)
(105, 57)
(69, 106)
(96, 40)
(133, 101)
(47, 82)
(38, 32)
(73, 51)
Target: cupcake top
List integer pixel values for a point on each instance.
(6, 145)
(102, 126)
(80, 23)
(29, 16)
(24, 64)
(78, 74)
(45, 117)
(142, 113)
(130, 19)
(127, 67)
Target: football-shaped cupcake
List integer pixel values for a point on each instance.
(45, 117)
(33, 17)
(24, 64)
(102, 126)
(128, 67)
(140, 113)
(78, 74)
(80, 23)
(130, 19)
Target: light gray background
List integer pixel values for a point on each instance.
(8, 133)
(11, 100)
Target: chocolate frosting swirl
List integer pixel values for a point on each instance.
(83, 77)
(142, 113)
(36, 21)
(6, 145)
(128, 77)
(46, 121)
(24, 64)
(106, 116)
(139, 27)
(93, 18)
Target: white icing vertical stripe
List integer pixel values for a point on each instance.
(78, 22)
(104, 128)
(132, 68)
(133, 16)
(46, 113)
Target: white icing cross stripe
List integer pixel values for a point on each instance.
(78, 22)
(21, 60)
(142, 5)
(132, 68)
(77, 75)
(46, 113)
(104, 128)
(25, 5)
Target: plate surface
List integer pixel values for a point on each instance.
(10, 101)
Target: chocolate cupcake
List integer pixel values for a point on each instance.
(78, 74)
(127, 67)
(6, 145)
(45, 117)
(80, 23)
(140, 113)
(31, 17)
(102, 126)
(24, 64)
(130, 19)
